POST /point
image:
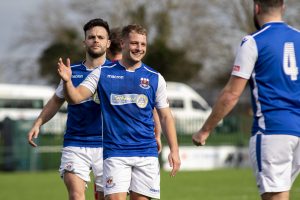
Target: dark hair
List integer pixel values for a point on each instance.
(115, 38)
(96, 22)
(133, 27)
(268, 4)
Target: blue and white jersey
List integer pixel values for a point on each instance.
(127, 101)
(270, 59)
(84, 122)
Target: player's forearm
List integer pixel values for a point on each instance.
(157, 126)
(71, 93)
(169, 131)
(50, 109)
(225, 103)
(43, 118)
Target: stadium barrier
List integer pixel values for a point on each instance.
(17, 155)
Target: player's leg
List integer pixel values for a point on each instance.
(275, 196)
(97, 168)
(145, 179)
(75, 170)
(95, 192)
(98, 195)
(75, 186)
(272, 160)
(116, 196)
(136, 196)
(117, 177)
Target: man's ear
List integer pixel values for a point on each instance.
(108, 43)
(257, 9)
(122, 43)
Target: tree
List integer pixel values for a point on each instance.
(205, 32)
(171, 62)
(65, 45)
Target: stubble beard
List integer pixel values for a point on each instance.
(94, 54)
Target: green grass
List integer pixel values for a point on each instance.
(225, 184)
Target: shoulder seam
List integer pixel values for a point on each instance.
(262, 30)
(150, 70)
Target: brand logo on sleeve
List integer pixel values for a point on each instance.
(236, 68)
(243, 41)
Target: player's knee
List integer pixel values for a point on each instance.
(77, 195)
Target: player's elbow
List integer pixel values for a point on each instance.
(230, 98)
(73, 100)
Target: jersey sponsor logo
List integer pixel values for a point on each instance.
(144, 83)
(109, 182)
(77, 76)
(236, 68)
(115, 76)
(140, 100)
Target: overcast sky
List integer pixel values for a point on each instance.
(12, 16)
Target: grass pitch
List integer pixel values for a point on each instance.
(225, 184)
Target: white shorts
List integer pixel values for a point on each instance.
(81, 161)
(137, 174)
(275, 160)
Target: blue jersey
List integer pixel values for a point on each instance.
(84, 122)
(270, 59)
(127, 101)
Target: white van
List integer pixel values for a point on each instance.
(25, 102)
(189, 109)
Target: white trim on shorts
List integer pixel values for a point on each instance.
(275, 160)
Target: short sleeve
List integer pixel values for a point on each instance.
(245, 58)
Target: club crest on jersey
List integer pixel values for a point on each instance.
(109, 182)
(144, 83)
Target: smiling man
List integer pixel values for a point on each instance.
(129, 90)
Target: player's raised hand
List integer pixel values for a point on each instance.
(33, 134)
(174, 161)
(200, 138)
(64, 70)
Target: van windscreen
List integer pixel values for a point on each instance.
(176, 103)
(21, 103)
